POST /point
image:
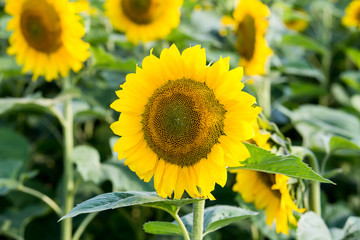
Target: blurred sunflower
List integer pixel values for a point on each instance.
(250, 24)
(267, 191)
(144, 20)
(296, 19)
(183, 122)
(352, 14)
(47, 37)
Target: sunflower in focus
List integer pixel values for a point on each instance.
(250, 24)
(352, 14)
(183, 122)
(46, 37)
(143, 20)
(267, 191)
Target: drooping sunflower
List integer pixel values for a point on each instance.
(183, 122)
(46, 37)
(352, 14)
(250, 24)
(267, 191)
(143, 20)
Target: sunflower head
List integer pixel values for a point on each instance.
(352, 14)
(183, 122)
(46, 37)
(296, 19)
(249, 24)
(143, 20)
(267, 191)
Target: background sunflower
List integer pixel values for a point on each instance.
(143, 20)
(46, 37)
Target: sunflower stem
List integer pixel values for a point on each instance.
(315, 197)
(198, 221)
(66, 232)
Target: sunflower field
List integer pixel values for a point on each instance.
(179, 119)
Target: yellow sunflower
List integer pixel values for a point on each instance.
(144, 20)
(296, 19)
(46, 37)
(352, 16)
(267, 191)
(250, 26)
(183, 121)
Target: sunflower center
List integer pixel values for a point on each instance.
(141, 11)
(245, 37)
(182, 121)
(269, 180)
(40, 26)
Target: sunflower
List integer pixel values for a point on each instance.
(352, 16)
(46, 37)
(144, 20)
(296, 19)
(250, 24)
(267, 191)
(183, 122)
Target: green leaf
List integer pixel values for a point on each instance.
(7, 185)
(171, 205)
(305, 42)
(122, 178)
(352, 79)
(343, 146)
(289, 165)
(312, 227)
(122, 199)
(105, 60)
(302, 69)
(354, 55)
(14, 153)
(217, 217)
(87, 160)
(9, 65)
(221, 215)
(355, 102)
(162, 228)
(316, 123)
(352, 228)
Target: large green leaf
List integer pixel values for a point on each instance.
(351, 78)
(305, 42)
(122, 199)
(312, 227)
(354, 55)
(34, 104)
(122, 178)
(289, 165)
(343, 146)
(317, 123)
(217, 217)
(221, 215)
(163, 228)
(104, 60)
(87, 160)
(352, 228)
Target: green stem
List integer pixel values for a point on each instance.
(315, 197)
(83, 225)
(198, 221)
(42, 197)
(264, 96)
(324, 162)
(181, 224)
(68, 167)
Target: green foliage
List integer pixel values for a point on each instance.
(289, 165)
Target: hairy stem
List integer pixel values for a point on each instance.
(198, 213)
(68, 167)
